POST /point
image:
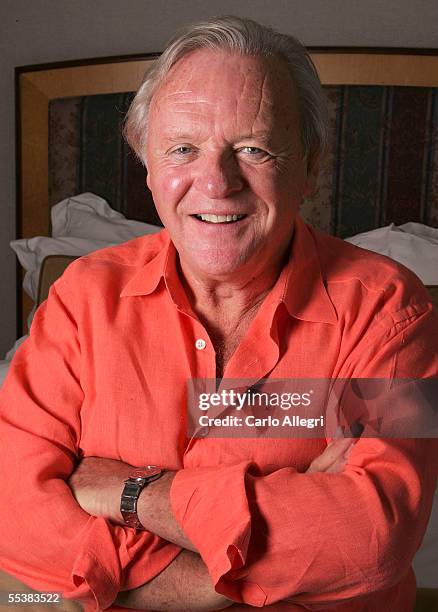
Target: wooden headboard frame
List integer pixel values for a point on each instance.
(36, 86)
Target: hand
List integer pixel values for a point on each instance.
(97, 484)
(334, 458)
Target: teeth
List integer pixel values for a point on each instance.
(220, 218)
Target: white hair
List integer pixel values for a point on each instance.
(243, 37)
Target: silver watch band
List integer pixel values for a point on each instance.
(133, 486)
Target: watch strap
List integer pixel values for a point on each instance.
(133, 486)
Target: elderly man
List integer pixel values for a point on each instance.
(230, 124)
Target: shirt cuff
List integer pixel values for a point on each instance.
(113, 561)
(200, 499)
(96, 583)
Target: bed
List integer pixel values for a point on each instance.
(381, 167)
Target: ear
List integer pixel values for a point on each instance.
(312, 175)
(148, 179)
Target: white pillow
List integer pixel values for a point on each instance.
(412, 244)
(80, 224)
(32, 251)
(91, 217)
(418, 229)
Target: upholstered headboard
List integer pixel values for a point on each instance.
(52, 268)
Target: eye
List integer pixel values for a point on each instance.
(182, 154)
(182, 150)
(254, 152)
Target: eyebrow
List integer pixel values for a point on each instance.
(261, 136)
(176, 136)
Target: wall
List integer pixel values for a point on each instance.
(40, 31)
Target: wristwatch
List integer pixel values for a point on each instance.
(134, 485)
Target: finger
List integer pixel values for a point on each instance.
(338, 446)
(335, 452)
(338, 466)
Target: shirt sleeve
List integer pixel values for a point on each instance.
(318, 538)
(46, 539)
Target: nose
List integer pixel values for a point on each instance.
(218, 176)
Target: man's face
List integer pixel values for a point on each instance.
(225, 162)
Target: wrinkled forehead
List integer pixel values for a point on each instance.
(227, 79)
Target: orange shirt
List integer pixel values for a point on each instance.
(104, 373)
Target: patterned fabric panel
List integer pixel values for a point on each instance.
(88, 153)
(381, 164)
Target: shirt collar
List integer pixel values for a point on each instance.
(305, 294)
(302, 286)
(146, 280)
(163, 265)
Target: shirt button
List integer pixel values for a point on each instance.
(200, 344)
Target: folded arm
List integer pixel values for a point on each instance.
(185, 583)
(322, 538)
(46, 539)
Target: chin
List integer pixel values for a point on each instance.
(218, 264)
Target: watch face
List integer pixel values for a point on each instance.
(146, 472)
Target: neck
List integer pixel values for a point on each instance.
(223, 303)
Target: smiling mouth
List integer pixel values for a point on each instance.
(219, 218)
